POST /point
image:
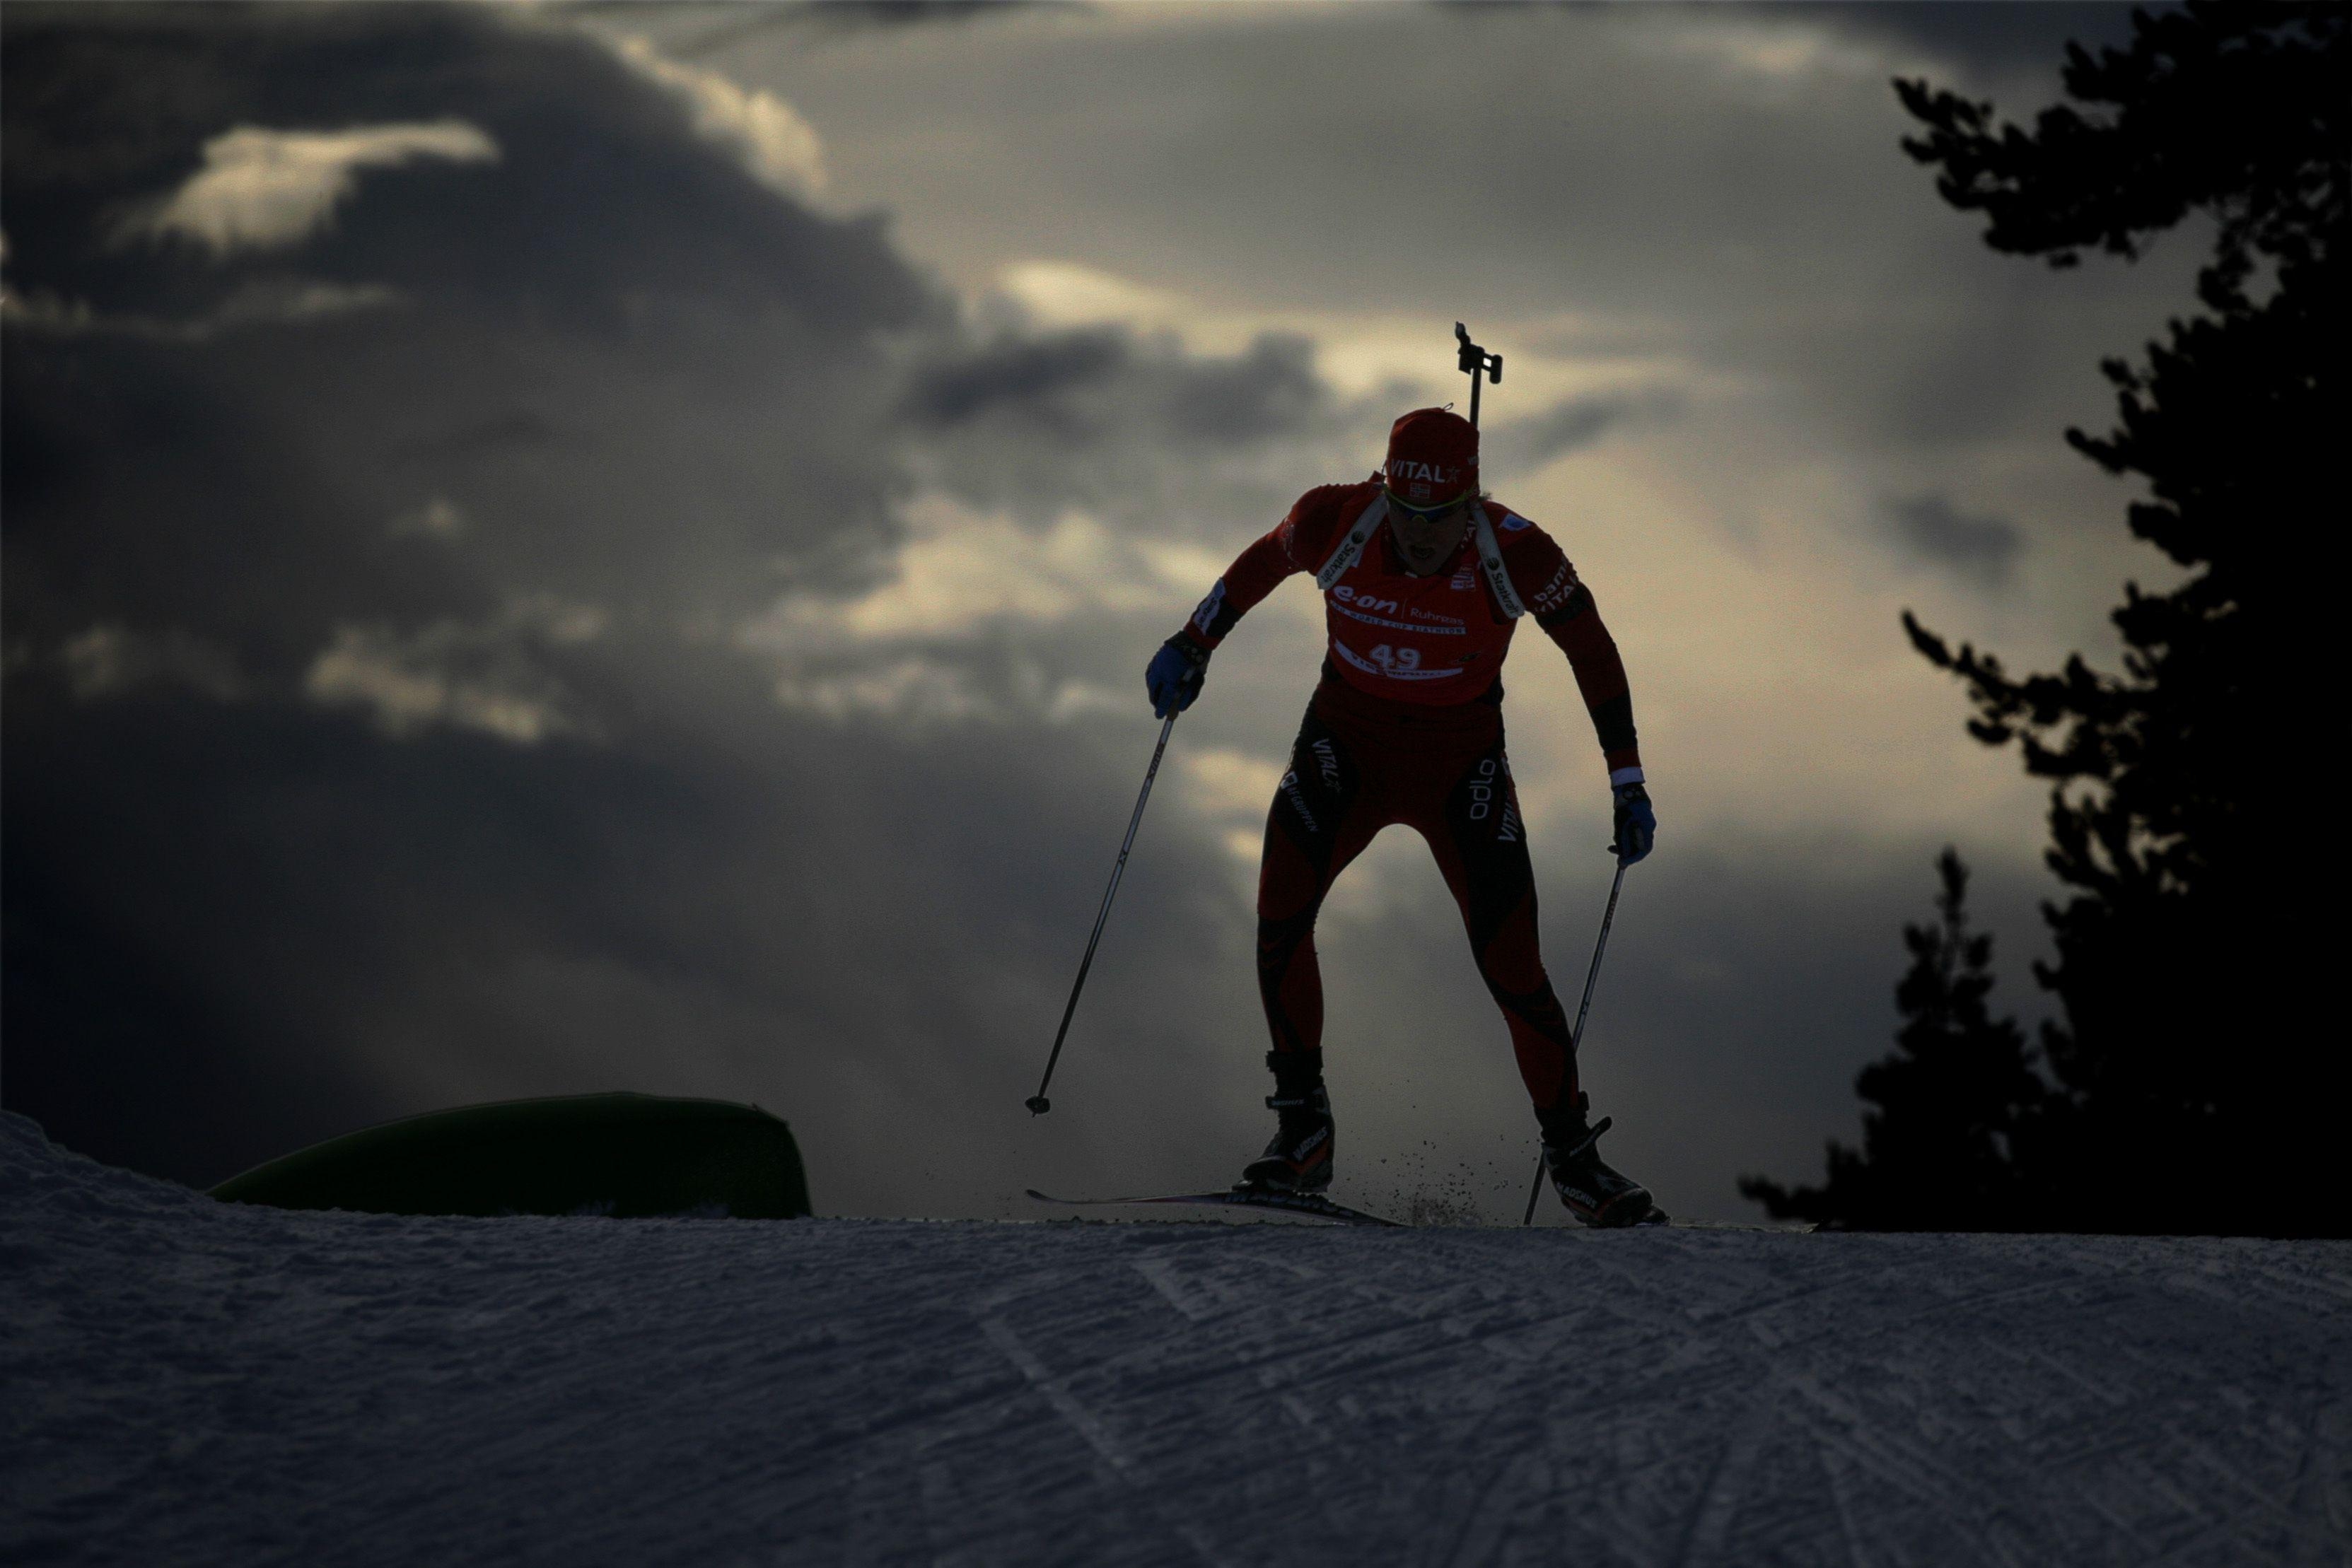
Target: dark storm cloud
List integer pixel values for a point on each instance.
(517, 430)
(1133, 428)
(606, 233)
(107, 112)
(1043, 383)
(1076, 385)
(354, 760)
(1570, 425)
(1983, 550)
(727, 24)
(1985, 40)
(1271, 393)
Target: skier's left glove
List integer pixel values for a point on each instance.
(1636, 823)
(1175, 675)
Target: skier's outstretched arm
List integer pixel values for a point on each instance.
(1176, 672)
(1565, 608)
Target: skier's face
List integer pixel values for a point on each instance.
(1426, 542)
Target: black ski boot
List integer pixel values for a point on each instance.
(1299, 1158)
(1596, 1193)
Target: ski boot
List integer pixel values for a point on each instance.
(1596, 1193)
(1299, 1158)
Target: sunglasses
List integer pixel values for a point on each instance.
(1424, 514)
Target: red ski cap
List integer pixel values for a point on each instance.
(1432, 460)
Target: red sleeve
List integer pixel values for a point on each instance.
(1297, 543)
(1563, 606)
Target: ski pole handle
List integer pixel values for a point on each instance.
(1038, 1104)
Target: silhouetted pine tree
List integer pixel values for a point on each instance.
(2192, 813)
(2192, 963)
(1937, 1153)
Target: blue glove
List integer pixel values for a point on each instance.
(1636, 824)
(1175, 676)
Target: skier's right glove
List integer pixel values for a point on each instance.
(1636, 823)
(1175, 674)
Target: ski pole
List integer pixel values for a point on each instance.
(1576, 1035)
(1037, 1102)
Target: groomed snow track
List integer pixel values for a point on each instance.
(188, 1382)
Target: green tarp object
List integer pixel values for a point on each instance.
(628, 1155)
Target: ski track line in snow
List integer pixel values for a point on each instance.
(1848, 1536)
(195, 1383)
(1097, 1436)
(1081, 1421)
(1718, 1496)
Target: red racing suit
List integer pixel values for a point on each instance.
(1407, 727)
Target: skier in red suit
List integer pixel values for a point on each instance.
(1425, 580)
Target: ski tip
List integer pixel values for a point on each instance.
(1237, 1196)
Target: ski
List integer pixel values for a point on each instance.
(1238, 1197)
(1341, 1214)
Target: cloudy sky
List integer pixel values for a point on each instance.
(550, 549)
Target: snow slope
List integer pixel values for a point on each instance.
(186, 1382)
